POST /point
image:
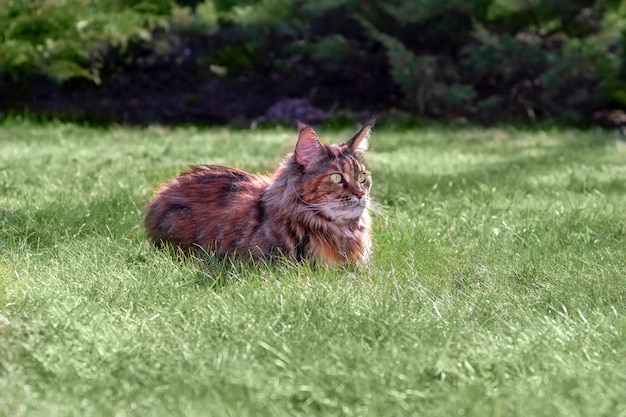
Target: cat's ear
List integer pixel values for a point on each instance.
(360, 142)
(309, 147)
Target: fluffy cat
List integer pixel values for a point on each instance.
(314, 206)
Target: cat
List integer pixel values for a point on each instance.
(313, 207)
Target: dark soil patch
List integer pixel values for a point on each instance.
(178, 87)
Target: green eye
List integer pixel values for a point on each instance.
(361, 177)
(336, 178)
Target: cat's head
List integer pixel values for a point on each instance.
(334, 179)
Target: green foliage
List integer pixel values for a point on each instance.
(329, 48)
(430, 83)
(480, 59)
(58, 38)
(496, 288)
(614, 87)
(517, 58)
(541, 58)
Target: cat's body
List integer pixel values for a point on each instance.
(313, 207)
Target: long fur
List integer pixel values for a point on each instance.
(297, 212)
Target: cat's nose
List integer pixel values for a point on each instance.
(358, 194)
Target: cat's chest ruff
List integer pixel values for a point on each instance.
(339, 243)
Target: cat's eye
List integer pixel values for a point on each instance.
(361, 177)
(336, 178)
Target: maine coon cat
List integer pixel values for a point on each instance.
(314, 206)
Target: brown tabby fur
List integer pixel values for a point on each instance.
(298, 211)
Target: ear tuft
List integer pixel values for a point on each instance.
(359, 143)
(301, 125)
(308, 147)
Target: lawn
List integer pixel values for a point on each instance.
(497, 286)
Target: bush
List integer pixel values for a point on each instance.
(517, 58)
(482, 59)
(485, 60)
(65, 39)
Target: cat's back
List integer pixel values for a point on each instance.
(195, 206)
(218, 178)
(205, 183)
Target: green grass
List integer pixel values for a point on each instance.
(498, 285)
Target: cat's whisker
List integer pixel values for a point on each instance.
(295, 192)
(378, 210)
(307, 209)
(314, 207)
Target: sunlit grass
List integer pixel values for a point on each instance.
(498, 284)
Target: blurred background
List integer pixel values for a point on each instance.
(271, 61)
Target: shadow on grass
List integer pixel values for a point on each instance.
(215, 271)
(44, 226)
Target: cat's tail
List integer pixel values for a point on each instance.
(168, 222)
(155, 212)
